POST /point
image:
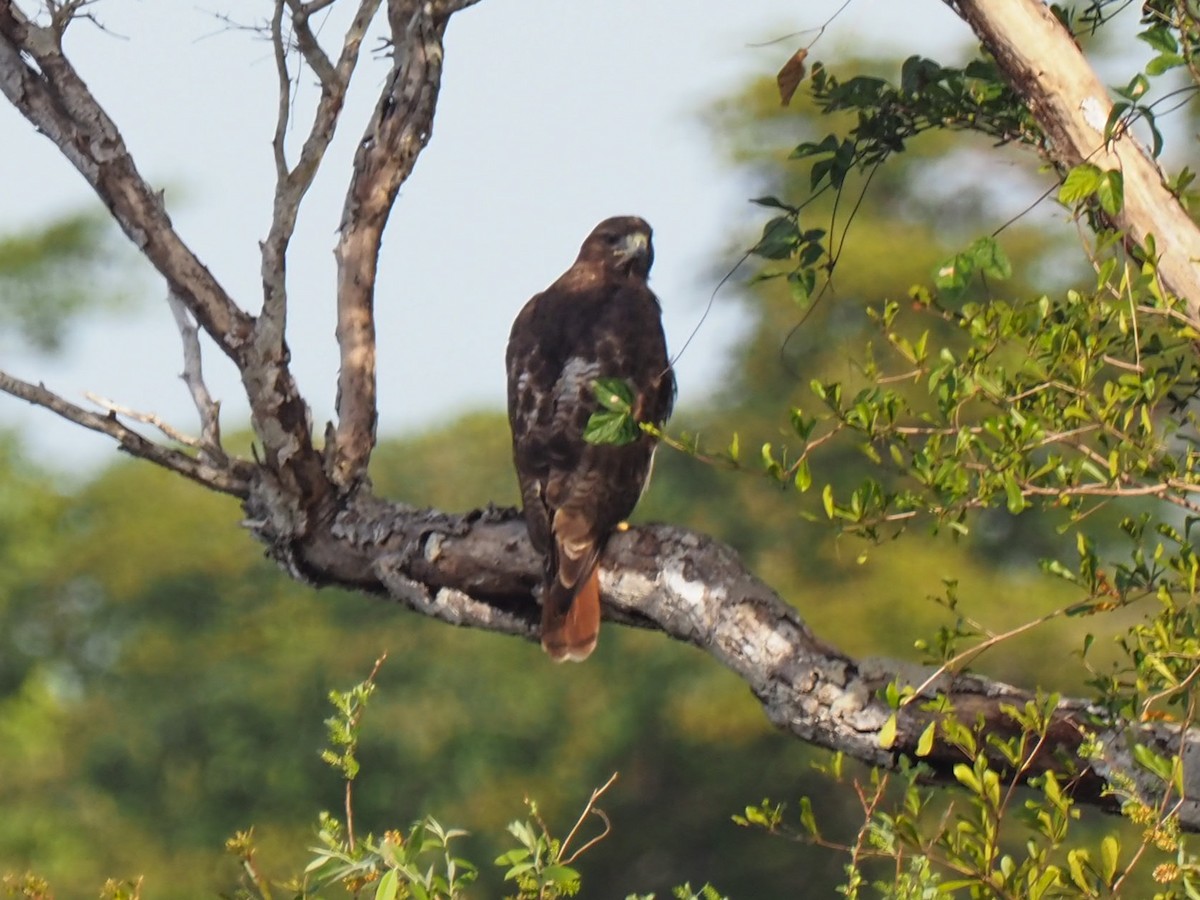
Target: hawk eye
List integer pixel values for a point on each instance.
(611, 239)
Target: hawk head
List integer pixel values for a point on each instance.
(620, 245)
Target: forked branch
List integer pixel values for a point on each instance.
(292, 183)
(234, 477)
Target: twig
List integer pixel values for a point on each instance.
(193, 377)
(234, 479)
(316, 58)
(971, 653)
(292, 184)
(590, 808)
(283, 104)
(168, 430)
(354, 720)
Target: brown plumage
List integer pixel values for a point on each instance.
(598, 320)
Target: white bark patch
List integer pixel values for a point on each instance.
(692, 594)
(776, 647)
(1095, 113)
(433, 547)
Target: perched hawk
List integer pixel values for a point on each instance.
(599, 320)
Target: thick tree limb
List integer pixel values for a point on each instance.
(1048, 70)
(479, 570)
(398, 131)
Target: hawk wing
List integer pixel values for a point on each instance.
(574, 493)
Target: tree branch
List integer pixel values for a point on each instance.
(387, 153)
(1046, 67)
(292, 184)
(479, 570)
(209, 443)
(234, 478)
(44, 87)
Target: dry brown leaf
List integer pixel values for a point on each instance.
(791, 75)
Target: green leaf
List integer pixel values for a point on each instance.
(779, 239)
(1160, 38)
(560, 875)
(614, 422)
(990, 259)
(887, 734)
(1016, 500)
(1164, 62)
(803, 476)
(1110, 850)
(1152, 762)
(772, 203)
(827, 500)
(613, 394)
(807, 819)
(1111, 192)
(519, 869)
(389, 886)
(953, 275)
(965, 776)
(610, 428)
(1115, 117)
(1076, 860)
(1081, 182)
(925, 741)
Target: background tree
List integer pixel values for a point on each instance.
(313, 508)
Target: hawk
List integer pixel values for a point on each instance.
(598, 320)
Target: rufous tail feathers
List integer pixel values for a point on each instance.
(571, 625)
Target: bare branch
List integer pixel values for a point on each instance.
(55, 100)
(193, 376)
(308, 43)
(292, 185)
(1047, 68)
(235, 480)
(449, 7)
(284, 103)
(387, 153)
(168, 430)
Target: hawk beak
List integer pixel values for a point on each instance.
(634, 245)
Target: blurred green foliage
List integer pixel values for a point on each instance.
(52, 274)
(162, 687)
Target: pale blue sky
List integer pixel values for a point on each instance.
(553, 115)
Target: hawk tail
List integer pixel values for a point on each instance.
(571, 619)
